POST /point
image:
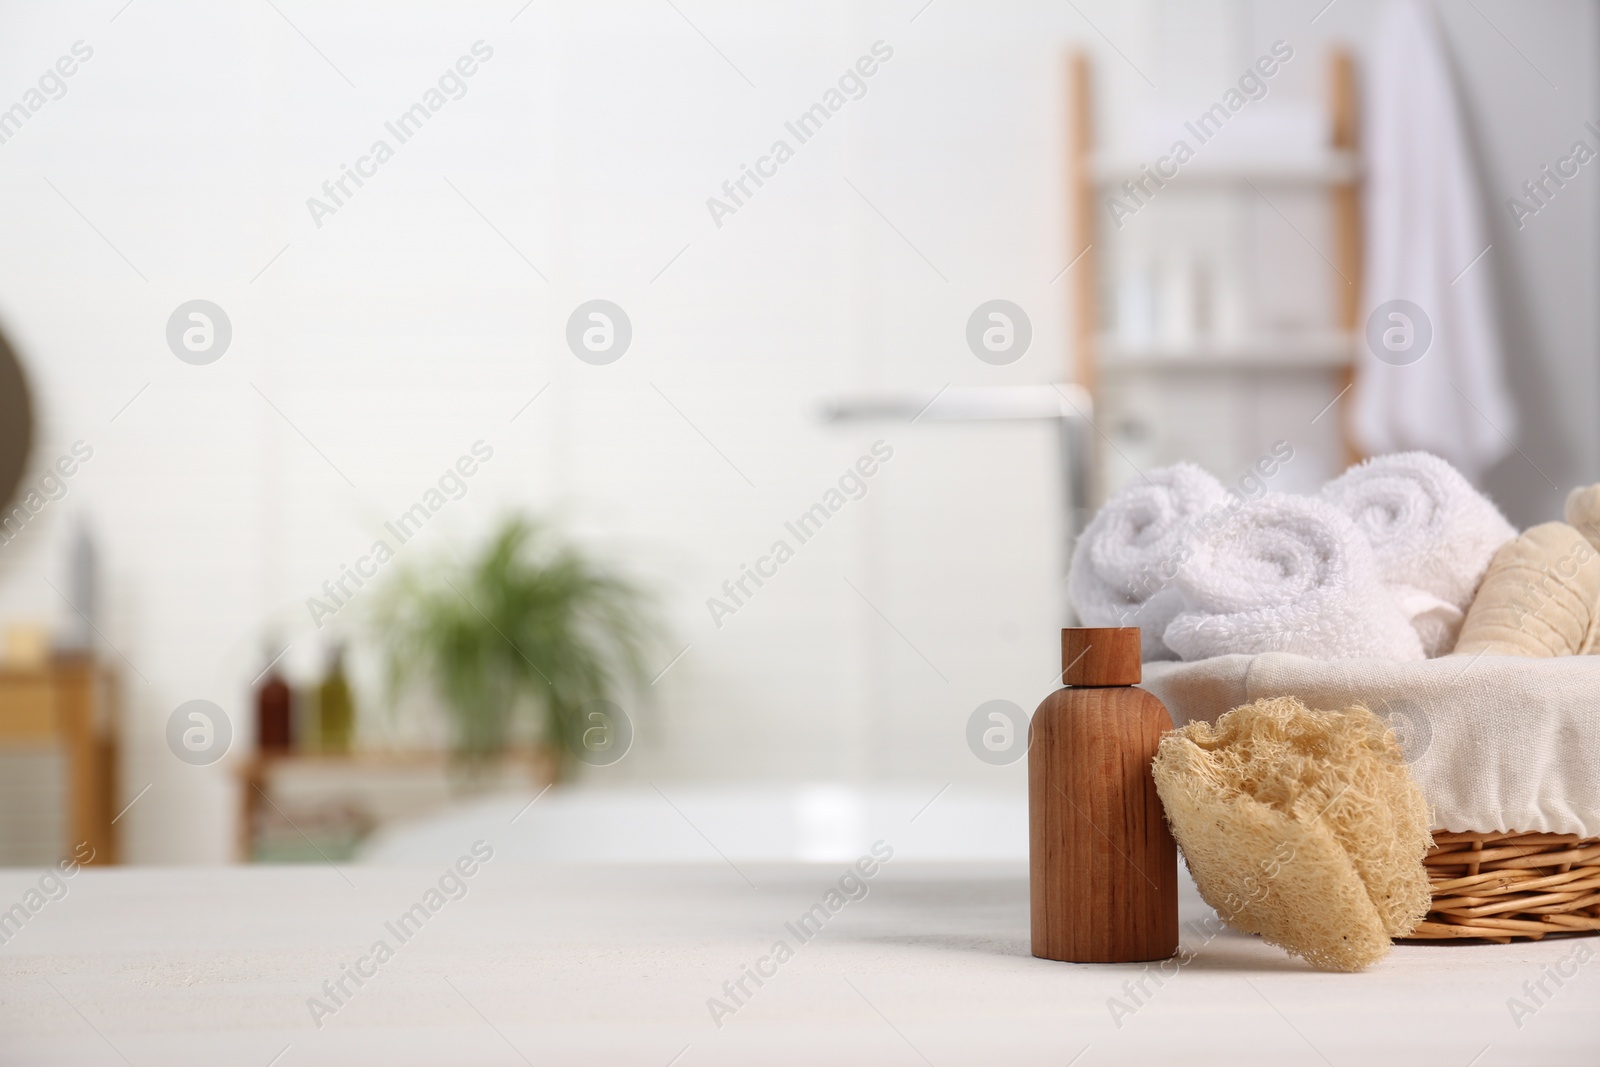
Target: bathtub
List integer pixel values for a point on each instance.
(682, 823)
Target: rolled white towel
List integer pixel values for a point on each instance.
(1126, 559)
(1288, 574)
(1433, 535)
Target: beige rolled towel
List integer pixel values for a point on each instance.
(1539, 597)
(1583, 512)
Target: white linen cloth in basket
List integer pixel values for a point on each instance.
(1496, 742)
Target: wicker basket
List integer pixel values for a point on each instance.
(1505, 886)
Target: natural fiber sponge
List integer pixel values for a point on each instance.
(1540, 597)
(1302, 826)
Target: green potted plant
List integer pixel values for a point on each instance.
(531, 625)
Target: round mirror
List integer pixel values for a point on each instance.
(16, 424)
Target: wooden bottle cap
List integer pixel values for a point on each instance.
(1100, 655)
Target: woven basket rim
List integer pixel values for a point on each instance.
(1510, 885)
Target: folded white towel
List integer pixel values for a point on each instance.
(1430, 531)
(1126, 559)
(1288, 574)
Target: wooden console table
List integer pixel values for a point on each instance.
(58, 740)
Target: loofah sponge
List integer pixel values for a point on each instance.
(1539, 597)
(1302, 826)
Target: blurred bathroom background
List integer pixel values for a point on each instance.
(806, 339)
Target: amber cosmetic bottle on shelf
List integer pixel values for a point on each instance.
(274, 712)
(1103, 868)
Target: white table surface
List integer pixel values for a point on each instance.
(611, 964)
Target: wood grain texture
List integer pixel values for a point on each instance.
(1103, 866)
(1100, 655)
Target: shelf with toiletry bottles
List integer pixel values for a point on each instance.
(1197, 332)
(1324, 168)
(312, 792)
(1308, 350)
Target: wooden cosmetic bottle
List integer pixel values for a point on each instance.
(1103, 866)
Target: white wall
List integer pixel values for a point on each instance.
(406, 328)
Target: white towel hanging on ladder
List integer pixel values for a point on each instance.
(1425, 241)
